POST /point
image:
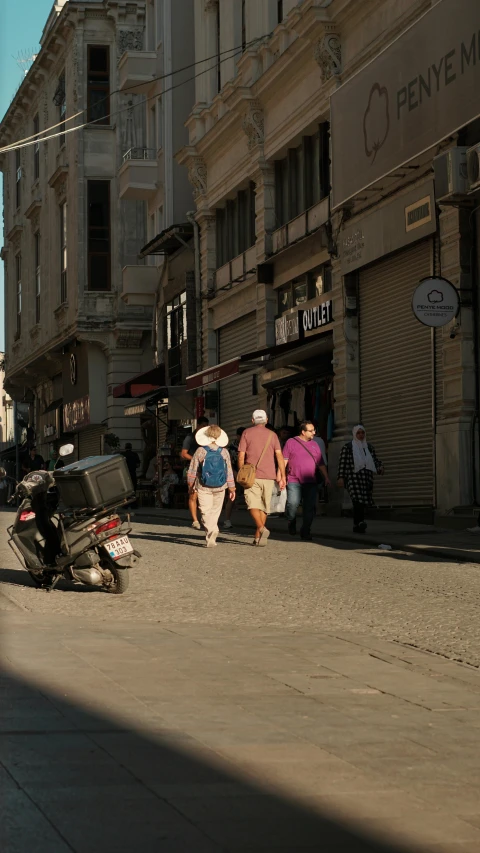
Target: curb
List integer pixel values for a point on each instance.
(448, 554)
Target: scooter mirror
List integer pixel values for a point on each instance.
(66, 450)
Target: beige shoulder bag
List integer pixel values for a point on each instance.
(247, 473)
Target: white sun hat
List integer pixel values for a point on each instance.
(203, 440)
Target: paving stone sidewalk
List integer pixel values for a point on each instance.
(426, 539)
(186, 737)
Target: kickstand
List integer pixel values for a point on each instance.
(53, 584)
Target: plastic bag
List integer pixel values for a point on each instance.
(279, 499)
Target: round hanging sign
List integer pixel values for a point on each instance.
(435, 301)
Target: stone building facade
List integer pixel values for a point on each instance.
(79, 298)
(306, 292)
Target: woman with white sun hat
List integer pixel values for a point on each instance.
(210, 473)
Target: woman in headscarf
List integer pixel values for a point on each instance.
(357, 465)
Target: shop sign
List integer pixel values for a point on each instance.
(286, 329)
(402, 221)
(435, 302)
(199, 407)
(418, 91)
(49, 431)
(135, 409)
(213, 374)
(310, 319)
(77, 414)
(418, 214)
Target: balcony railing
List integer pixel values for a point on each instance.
(139, 154)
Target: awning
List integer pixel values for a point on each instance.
(213, 374)
(168, 241)
(145, 383)
(53, 406)
(143, 404)
(250, 361)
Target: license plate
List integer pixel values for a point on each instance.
(119, 547)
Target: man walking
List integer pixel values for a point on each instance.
(189, 447)
(33, 462)
(133, 461)
(260, 447)
(212, 469)
(303, 458)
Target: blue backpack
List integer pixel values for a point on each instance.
(214, 469)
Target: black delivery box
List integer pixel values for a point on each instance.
(94, 482)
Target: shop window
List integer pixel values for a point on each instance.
(18, 179)
(236, 226)
(36, 149)
(305, 288)
(177, 321)
(63, 252)
(302, 177)
(300, 290)
(18, 306)
(98, 84)
(99, 235)
(285, 299)
(319, 281)
(36, 239)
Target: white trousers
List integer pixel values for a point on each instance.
(210, 503)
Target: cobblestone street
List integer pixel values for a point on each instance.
(280, 700)
(430, 605)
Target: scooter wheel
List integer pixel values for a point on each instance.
(121, 579)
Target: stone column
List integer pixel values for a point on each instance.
(346, 370)
(264, 179)
(456, 388)
(208, 261)
(210, 45)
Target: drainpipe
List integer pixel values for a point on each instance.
(158, 294)
(198, 285)
(15, 438)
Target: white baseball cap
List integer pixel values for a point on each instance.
(259, 416)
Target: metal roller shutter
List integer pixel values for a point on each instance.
(236, 400)
(90, 442)
(396, 378)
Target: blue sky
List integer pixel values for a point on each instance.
(21, 25)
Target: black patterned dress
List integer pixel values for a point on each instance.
(358, 485)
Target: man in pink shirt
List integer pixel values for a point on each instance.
(250, 449)
(303, 458)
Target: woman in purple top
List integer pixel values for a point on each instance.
(303, 458)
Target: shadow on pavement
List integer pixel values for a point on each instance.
(72, 780)
(193, 542)
(17, 577)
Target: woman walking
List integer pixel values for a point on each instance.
(357, 465)
(210, 473)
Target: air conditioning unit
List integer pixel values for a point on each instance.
(473, 168)
(451, 180)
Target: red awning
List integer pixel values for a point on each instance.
(213, 374)
(144, 383)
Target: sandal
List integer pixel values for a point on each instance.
(263, 537)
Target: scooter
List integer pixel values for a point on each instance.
(90, 547)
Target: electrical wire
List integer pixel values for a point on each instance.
(40, 137)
